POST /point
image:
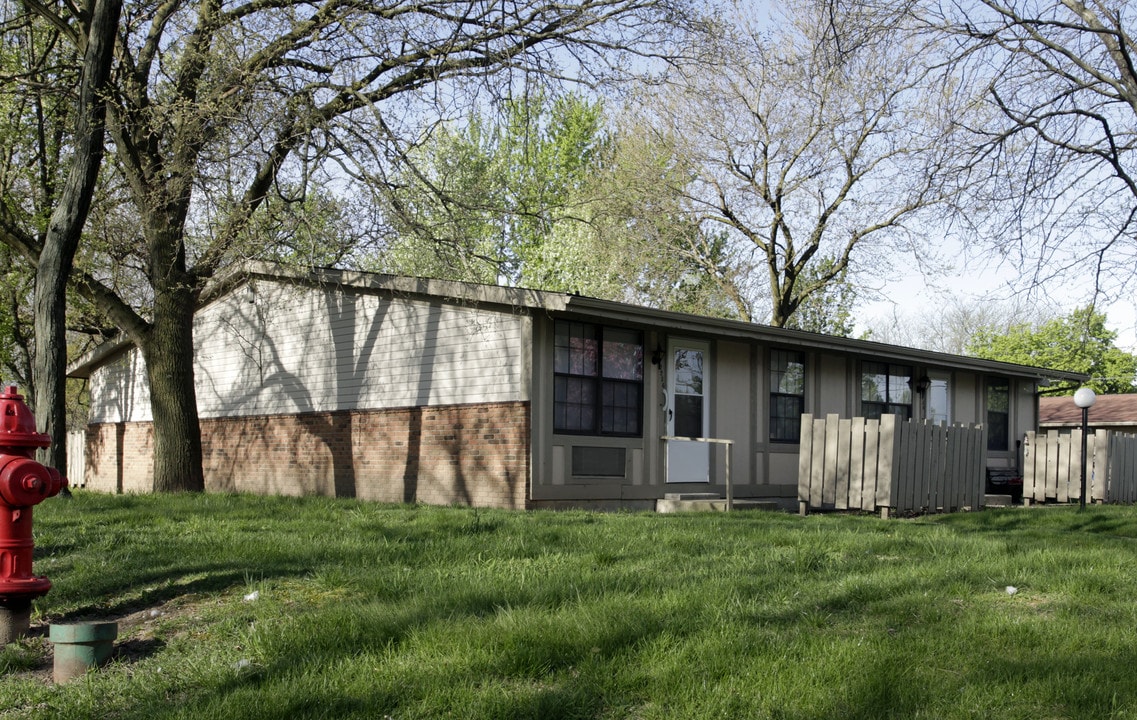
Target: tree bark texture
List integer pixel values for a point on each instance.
(64, 231)
(168, 350)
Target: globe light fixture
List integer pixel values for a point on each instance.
(1085, 399)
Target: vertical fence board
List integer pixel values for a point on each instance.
(903, 463)
(1114, 471)
(77, 458)
(1118, 464)
(1028, 465)
(1127, 475)
(939, 467)
(857, 462)
(1040, 455)
(871, 478)
(1052, 464)
(954, 478)
(844, 442)
(829, 490)
(817, 475)
(1068, 467)
(886, 462)
(919, 495)
(1100, 458)
(926, 469)
(804, 458)
(979, 468)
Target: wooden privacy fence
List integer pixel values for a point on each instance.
(888, 464)
(1052, 467)
(1122, 487)
(76, 457)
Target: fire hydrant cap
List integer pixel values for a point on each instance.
(17, 426)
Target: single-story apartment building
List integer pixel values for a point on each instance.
(412, 390)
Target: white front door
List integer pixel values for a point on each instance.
(688, 411)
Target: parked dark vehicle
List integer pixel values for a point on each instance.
(1005, 482)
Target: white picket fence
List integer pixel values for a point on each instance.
(889, 465)
(1052, 467)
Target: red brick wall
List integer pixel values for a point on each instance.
(119, 458)
(456, 454)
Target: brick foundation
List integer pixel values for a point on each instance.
(457, 454)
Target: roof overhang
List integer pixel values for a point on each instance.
(586, 308)
(799, 339)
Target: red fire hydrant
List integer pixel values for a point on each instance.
(23, 483)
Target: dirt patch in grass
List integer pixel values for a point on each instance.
(140, 634)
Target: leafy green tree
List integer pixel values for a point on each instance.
(1078, 342)
(550, 197)
(643, 246)
(493, 202)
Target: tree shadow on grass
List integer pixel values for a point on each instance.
(214, 581)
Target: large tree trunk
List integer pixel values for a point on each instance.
(51, 351)
(167, 346)
(168, 351)
(64, 231)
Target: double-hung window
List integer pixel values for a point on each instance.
(886, 389)
(998, 414)
(787, 395)
(597, 380)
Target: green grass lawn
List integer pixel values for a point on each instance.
(373, 611)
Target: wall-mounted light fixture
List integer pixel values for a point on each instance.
(657, 354)
(923, 384)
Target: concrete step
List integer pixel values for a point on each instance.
(997, 501)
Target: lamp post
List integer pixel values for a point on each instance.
(1084, 398)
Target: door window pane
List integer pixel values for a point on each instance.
(688, 372)
(939, 402)
(689, 416)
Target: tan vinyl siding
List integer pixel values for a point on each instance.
(1024, 412)
(734, 391)
(285, 349)
(832, 385)
(967, 399)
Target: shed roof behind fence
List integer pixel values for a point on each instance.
(1109, 411)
